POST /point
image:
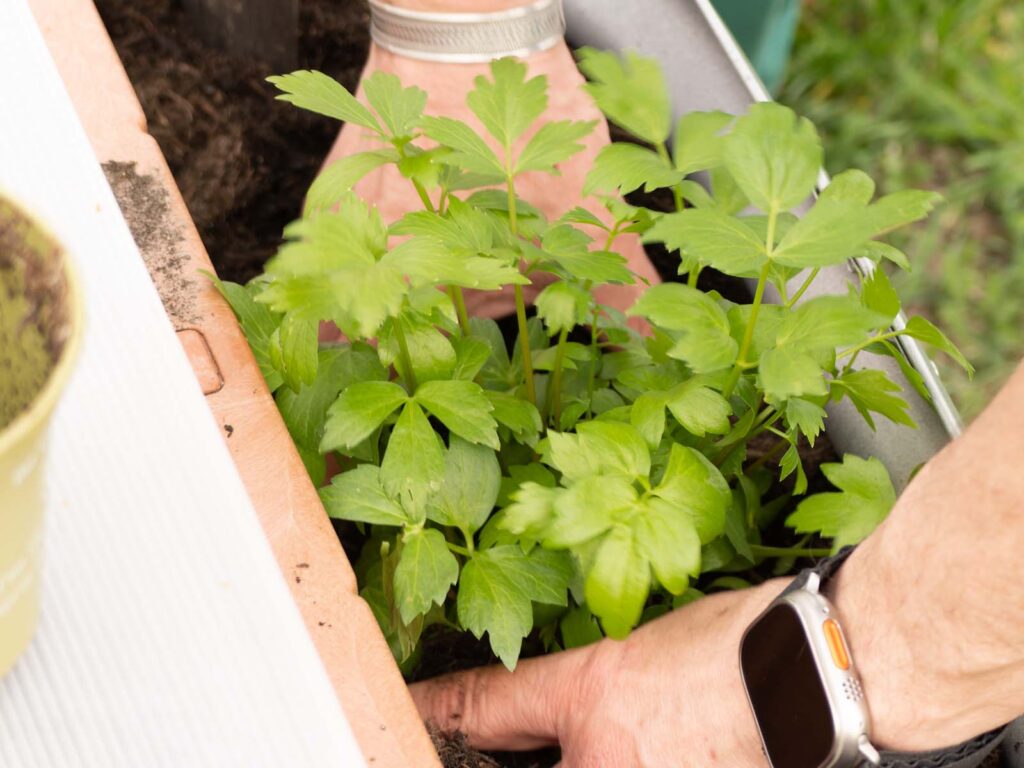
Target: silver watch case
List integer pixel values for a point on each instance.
(851, 744)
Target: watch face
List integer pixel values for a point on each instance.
(786, 691)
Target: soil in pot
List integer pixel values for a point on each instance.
(33, 311)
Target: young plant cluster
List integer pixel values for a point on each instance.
(585, 477)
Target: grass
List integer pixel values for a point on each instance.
(930, 93)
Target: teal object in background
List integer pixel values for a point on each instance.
(765, 30)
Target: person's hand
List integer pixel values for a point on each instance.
(447, 86)
(669, 695)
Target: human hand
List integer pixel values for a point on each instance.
(668, 695)
(447, 86)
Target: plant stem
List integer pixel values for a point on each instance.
(524, 334)
(422, 192)
(676, 193)
(554, 403)
(455, 292)
(764, 551)
(748, 334)
(691, 278)
(803, 288)
(457, 549)
(403, 351)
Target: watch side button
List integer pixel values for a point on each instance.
(836, 644)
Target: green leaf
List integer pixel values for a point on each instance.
(324, 95)
(671, 544)
(871, 391)
(399, 108)
(704, 341)
(469, 151)
(877, 251)
(826, 322)
(425, 571)
(562, 306)
(807, 417)
(791, 463)
(713, 238)
(699, 409)
(900, 208)
(865, 498)
(508, 103)
(694, 486)
(497, 589)
(414, 462)
(618, 582)
(631, 92)
(430, 351)
(599, 447)
(258, 323)
(786, 372)
(358, 411)
(471, 355)
(299, 347)
(469, 489)
(852, 184)
(569, 247)
(697, 145)
(923, 330)
(647, 414)
(358, 495)
(579, 628)
(622, 168)
(520, 416)
(774, 156)
(531, 510)
(554, 143)
(330, 186)
(580, 215)
(463, 407)
(878, 295)
(587, 509)
(429, 261)
(830, 233)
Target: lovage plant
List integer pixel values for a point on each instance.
(584, 470)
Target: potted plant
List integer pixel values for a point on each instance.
(40, 330)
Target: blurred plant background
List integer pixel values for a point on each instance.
(930, 93)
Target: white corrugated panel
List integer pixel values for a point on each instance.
(168, 636)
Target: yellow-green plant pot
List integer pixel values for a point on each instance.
(40, 330)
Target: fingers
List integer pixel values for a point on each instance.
(498, 709)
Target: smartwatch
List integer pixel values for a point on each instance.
(807, 699)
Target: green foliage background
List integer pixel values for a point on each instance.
(930, 93)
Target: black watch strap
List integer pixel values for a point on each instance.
(968, 754)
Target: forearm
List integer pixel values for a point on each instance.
(933, 602)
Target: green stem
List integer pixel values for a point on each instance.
(458, 550)
(691, 278)
(803, 288)
(403, 351)
(748, 334)
(766, 457)
(524, 334)
(763, 551)
(554, 403)
(676, 192)
(455, 292)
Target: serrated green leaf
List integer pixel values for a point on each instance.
(258, 323)
(900, 208)
(324, 95)
(554, 143)
(358, 495)
(694, 486)
(878, 295)
(414, 462)
(853, 185)
(670, 542)
(622, 168)
(790, 463)
(428, 261)
(877, 251)
(587, 509)
(774, 156)
(358, 411)
(463, 407)
(826, 322)
(330, 186)
(425, 571)
(833, 231)
(562, 306)
(471, 355)
(508, 103)
(697, 144)
(711, 237)
(704, 340)
(469, 151)
(871, 391)
(579, 628)
(618, 582)
(805, 416)
(469, 489)
(699, 409)
(599, 447)
(865, 497)
(498, 587)
(580, 215)
(630, 91)
(923, 330)
(531, 510)
(785, 372)
(399, 108)
(647, 414)
(430, 351)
